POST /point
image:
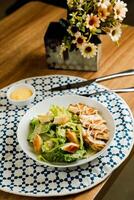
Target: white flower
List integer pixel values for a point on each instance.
(88, 50)
(103, 13)
(80, 3)
(103, 3)
(92, 22)
(115, 33)
(110, 9)
(70, 3)
(79, 39)
(120, 10)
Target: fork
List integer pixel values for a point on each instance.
(118, 90)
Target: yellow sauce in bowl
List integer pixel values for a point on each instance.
(22, 93)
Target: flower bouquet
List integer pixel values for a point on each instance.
(79, 36)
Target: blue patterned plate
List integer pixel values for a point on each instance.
(21, 175)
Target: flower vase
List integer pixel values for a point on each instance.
(69, 60)
(74, 43)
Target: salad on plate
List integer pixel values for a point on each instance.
(68, 134)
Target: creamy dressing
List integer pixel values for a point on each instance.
(22, 93)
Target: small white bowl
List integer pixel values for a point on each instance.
(65, 100)
(20, 102)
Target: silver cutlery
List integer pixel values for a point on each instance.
(119, 90)
(129, 72)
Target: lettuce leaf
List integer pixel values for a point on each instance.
(33, 131)
(79, 154)
(70, 125)
(61, 132)
(34, 122)
(46, 127)
(57, 155)
(51, 144)
(59, 111)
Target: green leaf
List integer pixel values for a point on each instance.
(33, 132)
(56, 155)
(34, 122)
(98, 31)
(75, 156)
(46, 127)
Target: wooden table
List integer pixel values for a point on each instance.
(22, 55)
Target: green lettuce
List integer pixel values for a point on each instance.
(34, 129)
(59, 111)
(58, 155)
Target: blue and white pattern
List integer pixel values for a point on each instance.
(21, 175)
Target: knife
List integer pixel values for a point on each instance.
(129, 72)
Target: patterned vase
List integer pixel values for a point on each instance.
(71, 60)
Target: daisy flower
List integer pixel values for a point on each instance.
(88, 50)
(115, 33)
(81, 2)
(70, 3)
(92, 22)
(103, 13)
(79, 5)
(103, 3)
(72, 30)
(120, 10)
(79, 39)
(110, 9)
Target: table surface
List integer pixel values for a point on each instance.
(22, 55)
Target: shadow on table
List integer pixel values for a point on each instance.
(120, 184)
(32, 62)
(31, 65)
